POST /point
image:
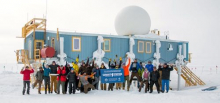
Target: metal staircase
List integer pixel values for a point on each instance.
(190, 78)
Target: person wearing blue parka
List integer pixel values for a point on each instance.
(47, 71)
(135, 66)
(149, 66)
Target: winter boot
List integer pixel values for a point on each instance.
(123, 88)
(23, 92)
(128, 89)
(32, 86)
(39, 92)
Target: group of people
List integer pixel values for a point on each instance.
(86, 76)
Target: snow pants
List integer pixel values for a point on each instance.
(110, 86)
(66, 85)
(62, 83)
(53, 83)
(39, 82)
(160, 80)
(152, 84)
(165, 83)
(72, 87)
(103, 86)
(126, 80)
(87, 86)
(47, 83)
(135, 74)
(118, 85)
(146, 85)
(96, 83)
(26, 83)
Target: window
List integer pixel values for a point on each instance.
(140, 46)
(76, 43)
(53, 43)
(107, 45)
(148, 47)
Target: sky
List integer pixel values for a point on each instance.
(196, 21)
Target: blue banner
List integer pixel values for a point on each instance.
(112, 75)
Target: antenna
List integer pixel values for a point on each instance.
(46, 10)
(27, 17)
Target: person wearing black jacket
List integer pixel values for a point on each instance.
(165, 76)
(68, 68)
(53, 78)
(71, 76)
(82, 70)
(154, 76)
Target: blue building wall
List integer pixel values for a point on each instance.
(166, 55)
(29, 39)
(144, 56)
(119, 46)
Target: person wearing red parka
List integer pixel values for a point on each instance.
(26, 78)
(61, 79)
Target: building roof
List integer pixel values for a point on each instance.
(140, 37)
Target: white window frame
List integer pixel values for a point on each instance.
(148, 51)
(139, 51)
(109, 45)
(76, 50)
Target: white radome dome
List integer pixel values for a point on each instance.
(132, 20)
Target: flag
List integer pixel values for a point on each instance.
(77, 58)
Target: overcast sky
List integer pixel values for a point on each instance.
(196, 21)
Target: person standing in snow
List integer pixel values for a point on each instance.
(72, 80)
(82, 70)
(61, 78)
(145, 80)
(135, 66)
(53, 78)
(85, 83)
(68, 68)
(118, 66)
(111, 66)
(39, 78)
(103, 85)
(96, 71)
(126, 74)
(76, 69)
(26, 78)
(46, 78)
(140, 72)
(154, 76)
(166, 76)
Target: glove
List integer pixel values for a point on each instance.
(120, 59)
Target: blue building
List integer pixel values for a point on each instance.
(84, 44)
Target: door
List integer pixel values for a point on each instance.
(38, 45)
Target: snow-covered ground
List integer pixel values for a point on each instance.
(11, 87)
